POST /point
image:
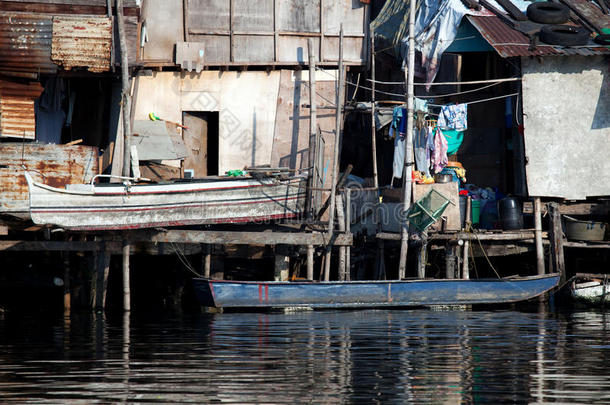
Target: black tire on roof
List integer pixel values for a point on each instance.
(566, 35)
(602, 39)
(546, 12)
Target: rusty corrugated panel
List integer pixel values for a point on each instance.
(590, 11)
(82, 42)
(510, 43)
(55, 165)
(25, 43)
(17, 117)
(54, 7)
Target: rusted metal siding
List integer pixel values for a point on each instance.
(82, 42)
(25, 44)
(89, 7)
(17, 118)
(59, 164)
(510, 43)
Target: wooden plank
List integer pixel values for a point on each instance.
(556, 238)
(196, 141)
(492, 236)
(241, 238)
(65, 246)
(601, 208)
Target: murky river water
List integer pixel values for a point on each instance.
(396, 356)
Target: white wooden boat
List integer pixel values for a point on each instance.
(130, 206)
(589, 289)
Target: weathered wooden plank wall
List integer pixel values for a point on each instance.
(60, 165)
(264, 32)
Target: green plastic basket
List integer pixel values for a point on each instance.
(427, 210)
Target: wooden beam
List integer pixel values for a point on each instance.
(126, 286)
(602, 208)
(465, 252)
(103, 269)
(538, 236)
(450, 260)
(65, 246)
(241, 238)
(310, 252)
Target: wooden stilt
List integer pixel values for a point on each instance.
(556, 239)
(538, 235)
(341, 228)
(310, 252)
(465, 269)
(126, 287)
(67, 297)
(218, 267)
(207, 260)
(126, 89)
(103, 268)
(422, 258)
(450, 261)
(373, 137)
(348, 229)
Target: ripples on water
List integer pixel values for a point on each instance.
(395, 356)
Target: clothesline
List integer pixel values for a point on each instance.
(481, 101)
(508, 79)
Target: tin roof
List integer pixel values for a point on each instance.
(509, 42)
(82, 42)
(17, 109)
(25, 44)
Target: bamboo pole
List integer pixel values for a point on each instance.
(103, 268)
(312, 127)
(406, 184)
(126, 90)
(333, 189)
(465, 269)
(373, 137)
(207, 260)
(341, 228)
(556, 239)
(126, 287)
(449, 261)
(538, 236)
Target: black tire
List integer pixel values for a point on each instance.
(602, 39)
(546, 12)
(566, 35)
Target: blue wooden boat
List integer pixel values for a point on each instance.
(354, 294)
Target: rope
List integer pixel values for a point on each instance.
(508, 79)
(484, 254)
(184, 260)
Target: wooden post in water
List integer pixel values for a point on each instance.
(310, 252)
(538, 236)
(311, 208)
(103, 268)
(422, 258)
(556, 239)
(373, 129)
(282, 267)
(126, 287)
(465, 269)
(408, 163)
(335, 169)
(126, 89)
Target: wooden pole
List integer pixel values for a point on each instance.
(465, 269)
(126, 288)
(449, 261)
(312, 127)
(333, 188)
(422, 258)
(103, 268)
(556, 239)
(406, 184)
(373, 131)
(310, 252)
(126, 90)
(341, 228)
(207, 260)
(348, 229)
(538, 236)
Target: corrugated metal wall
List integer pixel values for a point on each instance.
(25, 44)
(17, 118)
(82, 42)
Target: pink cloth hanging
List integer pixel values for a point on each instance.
(439, 156)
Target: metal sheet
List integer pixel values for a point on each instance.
(25, 44)
(82, 42)
(17, 118)
(566, 119)
(89, 7)
(154, 141)
(510, 43)
(59, 164)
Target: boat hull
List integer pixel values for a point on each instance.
(354, 294)
(144, 206)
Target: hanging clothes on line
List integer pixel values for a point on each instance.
(453, 116)
(439, 156)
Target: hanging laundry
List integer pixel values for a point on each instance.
(454, 140)
(439, 157)
(453, 116)
(397, 118)
(399, 157)
(420, 105)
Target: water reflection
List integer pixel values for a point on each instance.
(322, 357)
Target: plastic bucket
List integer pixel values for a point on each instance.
(510, 213)
(476, 211)
(584, 230)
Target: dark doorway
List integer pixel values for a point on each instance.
(201, 141)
